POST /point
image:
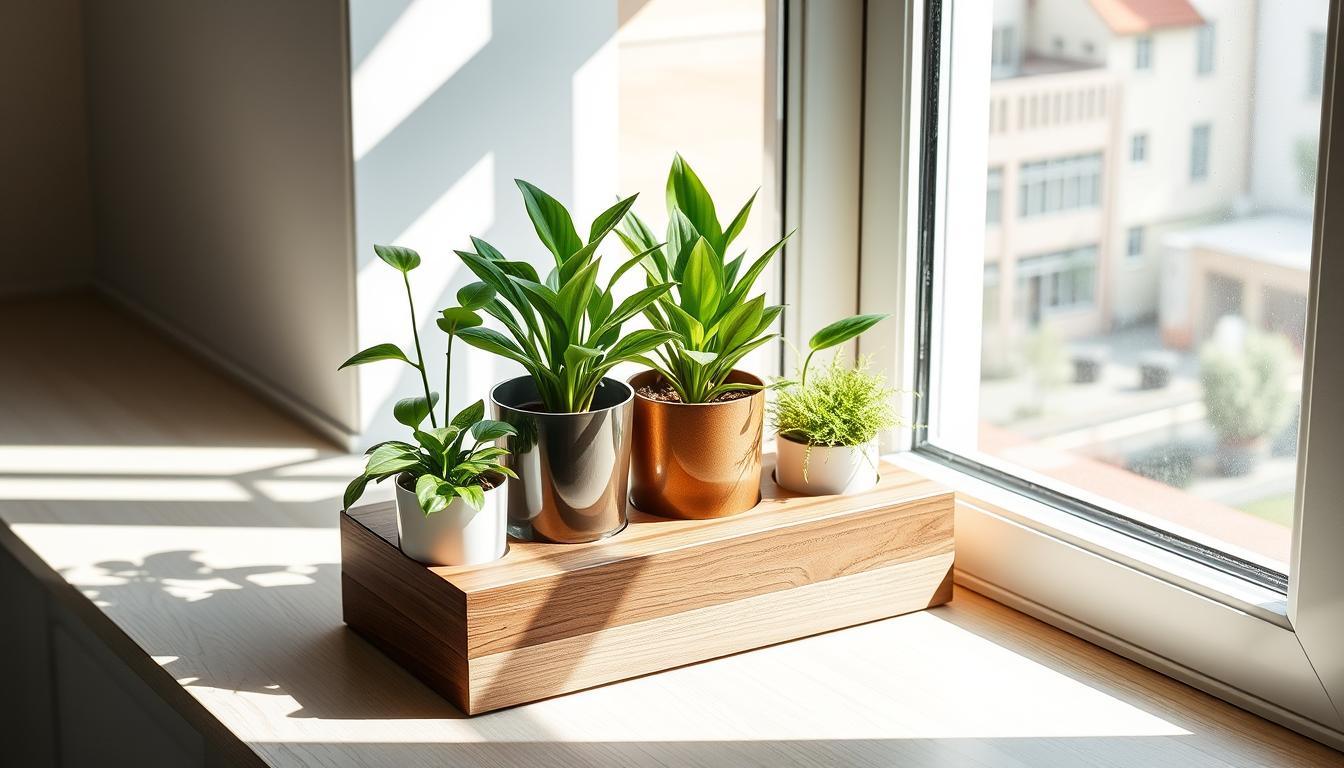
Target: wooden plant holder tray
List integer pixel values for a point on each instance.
(549, 619)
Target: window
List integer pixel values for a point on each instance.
(1143, 52)
(1133, 407)
(1059, 184)
(1204, 49)
(1004, 51)
(1055, 282)
(994, 195)
(718, 54)
(1134, 243)
(1097, 461)
(1138, 148)
(1199, 152)
(1315, 64)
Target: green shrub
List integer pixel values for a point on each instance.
(1244, 390)
(842, 405)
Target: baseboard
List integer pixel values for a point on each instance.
(1254, 704)
(259, 385)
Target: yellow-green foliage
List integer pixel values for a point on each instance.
(839, 405)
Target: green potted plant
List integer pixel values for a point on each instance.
(827, 426)
(1242, 376)
(448, 508)
(571, 447)
(698, 419)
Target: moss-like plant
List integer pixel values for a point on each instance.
(840, 405)
(1244, 391)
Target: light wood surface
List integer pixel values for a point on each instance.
(219, 561)
(548, 619)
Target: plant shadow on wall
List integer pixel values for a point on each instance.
(433, 178)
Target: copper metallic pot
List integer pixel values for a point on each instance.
(696, 460)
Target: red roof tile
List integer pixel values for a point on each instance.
(1128, 17)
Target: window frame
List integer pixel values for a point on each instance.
(1143, 53)
(1189, 619)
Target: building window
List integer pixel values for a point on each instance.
(1138, 148)
(1056, 282)
(1315, 64)
(994, 195)
(1059, 184)
(1204, 52)
(1003, 53)
(1199, 152)
(1134, 243)
(1143, 52)
(990, 305)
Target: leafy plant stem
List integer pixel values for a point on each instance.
(419, 356)
(448, 380)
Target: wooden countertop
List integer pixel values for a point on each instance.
(201, 524)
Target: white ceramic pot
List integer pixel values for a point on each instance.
(457, 535)
(820, 470)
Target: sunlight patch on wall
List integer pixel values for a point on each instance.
(466, 208)
(425, 47)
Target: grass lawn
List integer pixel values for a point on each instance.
(1275, 509)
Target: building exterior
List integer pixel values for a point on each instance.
(1258, 265)
(1112, 122)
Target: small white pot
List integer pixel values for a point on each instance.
(457, 535)
(844, 469)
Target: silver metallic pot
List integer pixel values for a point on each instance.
(573, 468)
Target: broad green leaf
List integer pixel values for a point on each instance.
(392, 464)
(629, 264)
(494, 342)
(638, 236)
(546, 302)
(843, 330)
(608, 219)
(634, 345)
(427, 489)
(475, 295)
(634, 304)
(702, 284)
(377, 352)
(731, 268)
(355, 489)
(473, 495)
(599, 309)
(402, 258)
(489, 429)
(681, 238)
(739, 291)
(738, 326)
(701, 358)
(456, 318)
(552, 222)
(686, 193)
(692, 332)
(739, 222)
(412, 411)
(576, 355)
(469, 415)
(486, 250)
(488, 452)
(575, 295)
(399, 443)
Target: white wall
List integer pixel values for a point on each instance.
(220, 161)
(450, 103)
(1285, 113)
(44, 191)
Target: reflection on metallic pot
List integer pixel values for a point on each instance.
(572, 467)
(697, 460)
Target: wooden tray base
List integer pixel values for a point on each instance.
(549, 619)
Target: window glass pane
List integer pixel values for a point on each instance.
(1142, 342)
(694, 78)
